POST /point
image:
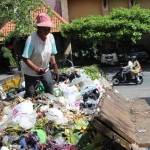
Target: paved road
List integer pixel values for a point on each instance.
(133, 91)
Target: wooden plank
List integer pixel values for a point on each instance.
(111, 134)
(116, 114)
(128, 119)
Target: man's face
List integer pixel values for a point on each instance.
(43, 31)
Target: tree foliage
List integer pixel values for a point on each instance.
(9, 56)
(20, 12)
(121, 24)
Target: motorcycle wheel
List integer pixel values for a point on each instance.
(115, 81)
(140, 80)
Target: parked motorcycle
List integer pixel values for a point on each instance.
(123, 76)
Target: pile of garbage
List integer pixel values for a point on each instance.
(54, 122)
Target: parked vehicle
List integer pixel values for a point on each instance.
(122, 58)
(109, 57)
(141, 54)
(124, 76)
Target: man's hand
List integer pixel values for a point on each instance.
(56, 72)
(54, 67)
(41, 71)
(56, 75)
(37, 69)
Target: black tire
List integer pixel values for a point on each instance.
(140, 80)
(115, 81)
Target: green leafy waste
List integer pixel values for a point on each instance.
(9, 56)
(93, 72)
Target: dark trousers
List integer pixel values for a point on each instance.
(31, 82)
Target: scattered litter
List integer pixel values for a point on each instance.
(2, 93)
(141, 130)
(49, 121)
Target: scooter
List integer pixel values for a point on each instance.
(123, 76)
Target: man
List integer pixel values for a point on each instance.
(39, 51)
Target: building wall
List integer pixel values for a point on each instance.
(73, 9)
(144, 3)
(81, 8)
(117, 3)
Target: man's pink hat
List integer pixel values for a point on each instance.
(43, 20)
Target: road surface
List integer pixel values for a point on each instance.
(132, 91)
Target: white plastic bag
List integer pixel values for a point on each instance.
(27, 121)
(4, 122)
(2, 93)
(56, 115)
(4, 148)
(24, 115)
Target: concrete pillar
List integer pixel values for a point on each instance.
(68, 49)
(64, 7)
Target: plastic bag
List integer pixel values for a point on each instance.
(4, 148)
(24, 115)
(2, 93)
(41, 135)
(4, 122)
(54, 114)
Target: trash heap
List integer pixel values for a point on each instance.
(61, 121)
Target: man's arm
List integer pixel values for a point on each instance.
(55, 68)
(54, 64)
(29, 63)
(34, 67)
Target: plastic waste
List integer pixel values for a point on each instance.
(27, 121)
(41, 136)
(23, 143)
(4, 148)
(57, 91)
(78, 81)
(5, 140)
(44, 108)
(24, 115)
(32, 140)
(23, 84)
(56, 115)
(60, 140)
(68, 91)
(22, 93)
(62, 100)
(15, 147)
(40, 87)
(72, 96)
(50, 97)
(2, 93)
(6, 110)
(4, 122)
